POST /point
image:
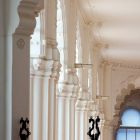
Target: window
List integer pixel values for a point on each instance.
(130, 127)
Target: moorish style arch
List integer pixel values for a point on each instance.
(126, 99)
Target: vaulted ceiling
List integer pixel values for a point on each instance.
(117, 23)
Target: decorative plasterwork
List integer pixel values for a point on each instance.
(116, 64)
(130, 79)
(43, 68)
(21, 43)
(70, 86)
(120, 102)
(27, 13)
(51, 53)
(82, 105)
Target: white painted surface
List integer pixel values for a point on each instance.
(117, 23)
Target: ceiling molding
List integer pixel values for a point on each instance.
(116, 64)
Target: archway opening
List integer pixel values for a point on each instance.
(129, 128)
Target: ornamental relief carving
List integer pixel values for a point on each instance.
(20, 43)
(128, 98)
(116, 64)
(131, 78)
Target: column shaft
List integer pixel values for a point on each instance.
(21, 63)
(66, 118)
(20, 88)
(67, 98)
(81, 123)
(44, 101)
(107, 91)
(36, 107)
(70, 29)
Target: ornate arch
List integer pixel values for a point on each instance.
(121, 104)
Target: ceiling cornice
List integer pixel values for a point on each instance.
(116, 64)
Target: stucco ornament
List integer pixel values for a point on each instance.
(20, 43)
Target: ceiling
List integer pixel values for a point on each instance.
(118, 25)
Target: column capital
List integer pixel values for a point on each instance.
(27, 14)
(84, 94)
(92, 106)
(51, 42)
(81, 105)
(70, 86)
(51, 52)
(46, 68)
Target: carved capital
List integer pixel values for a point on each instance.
(82, 105)
(70, 86)
(71, 76)
(27, 13)
(51, 43)
(92, 106)
(46, 68)
(84, 94)
(50, 53)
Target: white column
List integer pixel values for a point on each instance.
(96, 63)
(101, 124)
(47, 69)
(21, 65)
(81, 123)
(45, 76)
(49, 49)
(61, 118)
(81, 116)
(70, 10)
(36, 106)
(81, 120)
(107, 90)
(66, 107)
(108, 131)
(108, 127)
(68, 88)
